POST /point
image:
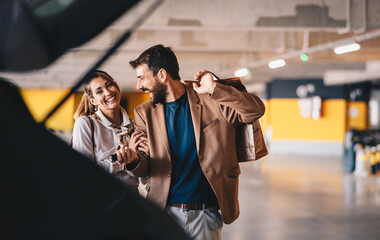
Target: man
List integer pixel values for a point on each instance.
(192, 165)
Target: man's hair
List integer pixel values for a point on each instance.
(158, 57)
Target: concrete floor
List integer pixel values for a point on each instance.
(303, 197)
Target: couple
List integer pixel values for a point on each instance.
(184, 139)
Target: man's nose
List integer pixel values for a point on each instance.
(139, 85)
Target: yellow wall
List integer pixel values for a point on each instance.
(357, 115)
(264, 120)
(129, 100)
(288, 124)
(283, 115)
(41, 101)
(133, 99)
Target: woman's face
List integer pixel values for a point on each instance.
(105, 94)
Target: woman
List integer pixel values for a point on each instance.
(102, 127)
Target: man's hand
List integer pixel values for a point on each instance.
(139, 142)
(206, 81)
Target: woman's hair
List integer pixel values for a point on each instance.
(85, 107)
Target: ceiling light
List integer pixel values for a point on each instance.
(276, 63)
(347, 48)
(241, 72)
(304, 57)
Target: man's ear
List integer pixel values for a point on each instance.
(162, 75)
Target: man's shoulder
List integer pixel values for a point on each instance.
(145, 107)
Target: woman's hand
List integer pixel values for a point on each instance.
(139, 142)
(126, 155)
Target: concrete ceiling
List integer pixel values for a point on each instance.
(223, 36)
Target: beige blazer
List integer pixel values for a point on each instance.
(214, 117)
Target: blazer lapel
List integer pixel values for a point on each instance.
(160, 123)
(196, 113)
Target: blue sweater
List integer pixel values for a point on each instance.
(188, 183)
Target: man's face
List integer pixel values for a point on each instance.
(146, 82)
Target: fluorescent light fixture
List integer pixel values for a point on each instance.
(241, 72)
(347, 48)
(276, 63)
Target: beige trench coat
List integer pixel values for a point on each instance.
(215, 118)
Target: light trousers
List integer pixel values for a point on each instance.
(205, 224)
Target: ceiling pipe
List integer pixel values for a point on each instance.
(318, 48)
(191, 49)
(306, 36)
(231, 28)
(282, 47)
(364, 17)
(347, 29)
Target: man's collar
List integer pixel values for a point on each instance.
(191, 94)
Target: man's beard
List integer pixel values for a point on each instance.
(158, 93)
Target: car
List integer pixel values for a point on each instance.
(50, 191)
